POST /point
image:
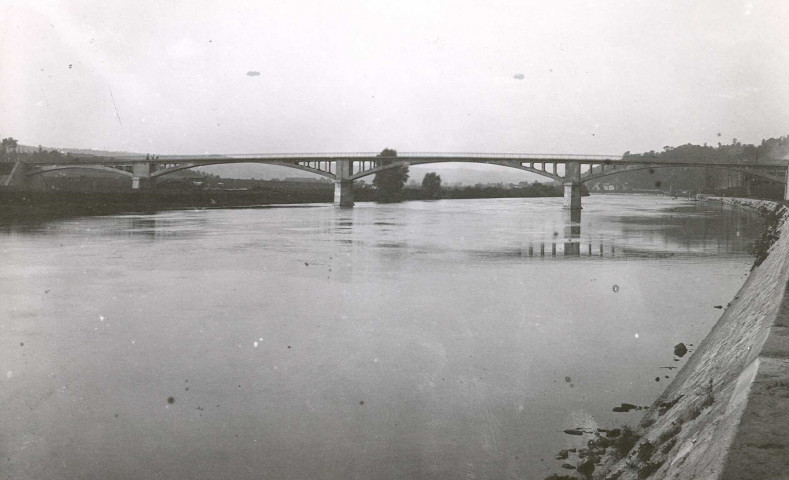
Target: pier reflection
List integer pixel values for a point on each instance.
(572, 232)
(569, 244)
(677, 231)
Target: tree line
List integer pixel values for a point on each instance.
(703, 179)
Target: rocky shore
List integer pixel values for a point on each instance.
(726, 413)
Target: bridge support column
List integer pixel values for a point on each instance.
(141, 178)
(572, 196)
(343, 185)
(572, 186)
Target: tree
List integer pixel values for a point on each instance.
(389, 183)
(8, 144)
(431, 185)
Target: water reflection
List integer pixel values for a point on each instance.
(142, 226)
(672, 231)
(572, 232)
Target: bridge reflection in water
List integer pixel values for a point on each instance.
(534, 230)
(570, 243)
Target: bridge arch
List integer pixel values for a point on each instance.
(43, 170)
(633, 168)
(169, 170)
(509, 164)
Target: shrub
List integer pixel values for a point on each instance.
(648, 468)
(645, 451)
(624, 442)
(670, 433)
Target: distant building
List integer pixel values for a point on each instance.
(604, 187)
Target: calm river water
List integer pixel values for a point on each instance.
(418, 340)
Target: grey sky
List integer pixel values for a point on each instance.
(598, 77)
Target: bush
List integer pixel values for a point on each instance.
(624, 442)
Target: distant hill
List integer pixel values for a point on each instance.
(77, 151)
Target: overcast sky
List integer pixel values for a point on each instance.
(495, 76)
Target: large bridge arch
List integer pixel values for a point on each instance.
(187, 166)
(43, 170)
(634, 168)
(393, 163)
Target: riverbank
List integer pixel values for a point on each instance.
(38, 205)
(726, 414)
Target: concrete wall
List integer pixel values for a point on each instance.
(726, 414)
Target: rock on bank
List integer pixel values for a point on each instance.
(726, 414)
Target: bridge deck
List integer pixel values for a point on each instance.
(405, 157)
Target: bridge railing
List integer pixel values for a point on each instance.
(371, 155)
(291, 157)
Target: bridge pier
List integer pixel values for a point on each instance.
(572, 196)
(343, 185)
(572, 186)
(141, 175)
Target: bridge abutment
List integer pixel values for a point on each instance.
(343, 185)
(17, 179)
(786, 185)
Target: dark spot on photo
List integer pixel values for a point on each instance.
(170, 400)
(253, 73)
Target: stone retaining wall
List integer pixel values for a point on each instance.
(726, 413)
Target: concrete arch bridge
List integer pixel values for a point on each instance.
(343, 168)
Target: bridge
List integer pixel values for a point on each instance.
(343, 168)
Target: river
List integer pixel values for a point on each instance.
(444, 339)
